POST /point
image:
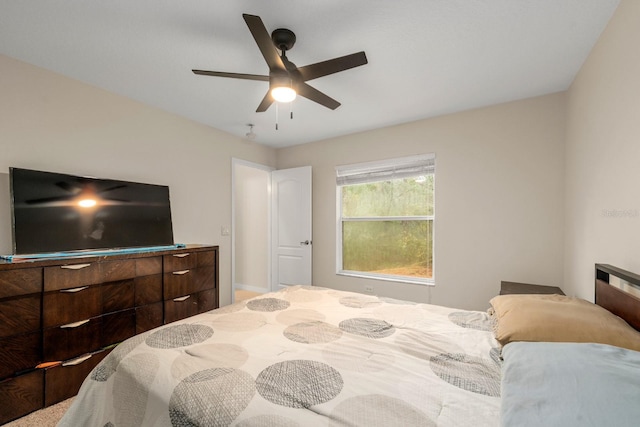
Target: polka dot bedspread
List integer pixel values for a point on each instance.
(303, 356)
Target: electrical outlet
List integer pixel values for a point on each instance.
(225, 231)
(368, 289)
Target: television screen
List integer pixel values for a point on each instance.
(54, 212)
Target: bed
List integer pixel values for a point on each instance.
(308, 356)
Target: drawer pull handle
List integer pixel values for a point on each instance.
(77, 361)
(181, 272)
(184, 298)
(75, 325)
(74, 290)
(181, 255)
(75, 266)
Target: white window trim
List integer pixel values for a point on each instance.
(344, 175)
(387, 277)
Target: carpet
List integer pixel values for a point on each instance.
(46, 417)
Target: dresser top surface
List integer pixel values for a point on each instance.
(89, 257)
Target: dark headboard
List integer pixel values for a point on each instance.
(618, 291)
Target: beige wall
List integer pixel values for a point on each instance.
(499, 198)
(49, 122)
(603, 155)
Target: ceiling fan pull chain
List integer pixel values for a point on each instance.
(291, 110)
(276, 115)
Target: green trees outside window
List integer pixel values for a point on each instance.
(387, 227)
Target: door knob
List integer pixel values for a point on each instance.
(306, 242)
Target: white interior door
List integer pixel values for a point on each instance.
(291, 227)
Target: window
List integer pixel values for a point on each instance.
(385, 219)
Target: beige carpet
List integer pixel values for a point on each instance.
(242, 295)
(47, 417)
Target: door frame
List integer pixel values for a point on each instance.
(234, 163)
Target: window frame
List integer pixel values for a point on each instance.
(390, 165)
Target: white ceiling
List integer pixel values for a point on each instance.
(426, 57)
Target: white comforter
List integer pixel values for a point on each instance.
(304, 356)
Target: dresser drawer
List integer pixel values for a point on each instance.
(21, 395)
(179, 283)
(204, 278)
(68, 341)
(206, 258)
(181, 261)
(20, 282)
(117, 327)
(19, 352)
(148, 266)
(189, 305)
(148, 317)
(71, 276)
(184, 282)
(19, 315)
(63, 381)
(148, 289)
(180, 308)
(71, 305)
(118, 296)
(111, 271)
(207, 300)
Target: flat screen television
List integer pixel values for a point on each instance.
(55, 212)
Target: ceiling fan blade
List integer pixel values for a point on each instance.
(324, 68)
(115, 187)
(71, 188)
(232, 75)
(265, 44)
(112, 199)
(266, 103)
(317, 96)
(45, 200)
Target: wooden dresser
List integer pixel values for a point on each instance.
(74, 310)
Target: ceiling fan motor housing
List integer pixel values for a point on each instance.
(283, 39)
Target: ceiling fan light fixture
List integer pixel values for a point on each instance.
(87, 203)
(283, 93)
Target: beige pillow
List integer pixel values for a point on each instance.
(558, 318)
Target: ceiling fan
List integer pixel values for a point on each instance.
(285, 78)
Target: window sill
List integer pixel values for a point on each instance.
(387, 278)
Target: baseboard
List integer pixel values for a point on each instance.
(250, 288)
